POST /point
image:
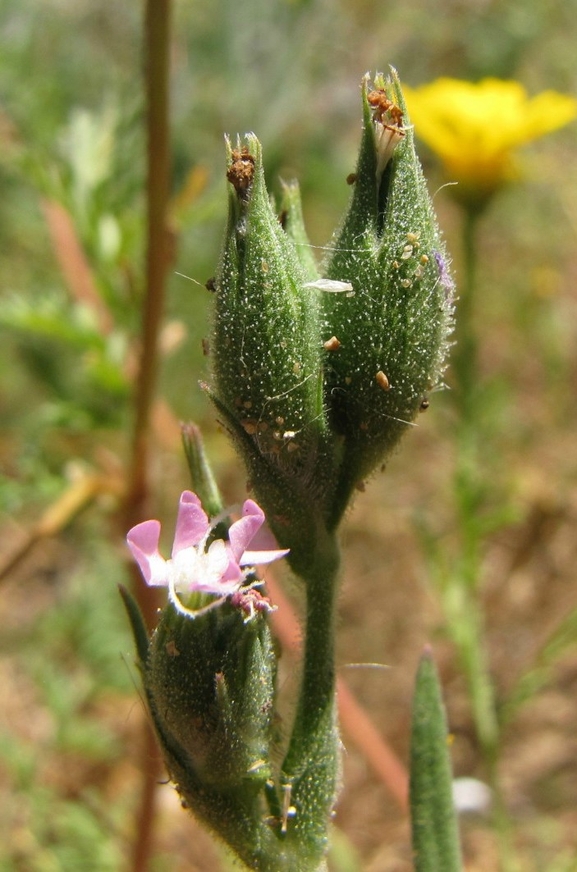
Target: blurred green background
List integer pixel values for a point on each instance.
(71, 135)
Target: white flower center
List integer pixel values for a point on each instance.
(194, 569)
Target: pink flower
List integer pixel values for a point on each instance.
(219, 569)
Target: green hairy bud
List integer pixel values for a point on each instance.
(267, 365)
(210, 689)
(210, 682)
(388, 336)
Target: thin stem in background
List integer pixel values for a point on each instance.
(156, 73)
(469, 625)
(157, 250)
(469, 492)
(73, 264)
(465, 363)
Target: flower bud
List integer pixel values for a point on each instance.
(267, 357)
(209, 684)
(392, 329)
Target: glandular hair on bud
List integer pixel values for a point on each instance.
(382, 380)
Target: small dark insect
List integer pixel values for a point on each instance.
(382, 106)
(351, 178)
(424, 404)
(210, 285)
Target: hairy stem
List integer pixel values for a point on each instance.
(311, 770)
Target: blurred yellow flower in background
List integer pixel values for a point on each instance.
(475, 128)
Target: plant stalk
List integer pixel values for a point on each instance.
(156, 74)
(317, 692)
(311, 769)
(469, 626)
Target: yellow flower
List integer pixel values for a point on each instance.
(475, 128)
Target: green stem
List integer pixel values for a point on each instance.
(478, 678)
(467, 621)
(318, 679)
(157, 30)
(310, 771)
(465, 358)
(469, 488)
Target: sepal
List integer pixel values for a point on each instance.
(210, 681)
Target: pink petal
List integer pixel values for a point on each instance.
(263, 540)
(243, 530)
(143, 543)
(232, 572)
(264, 548)
(191, 522)
(242, 533)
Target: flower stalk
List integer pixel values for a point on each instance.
(311, 768)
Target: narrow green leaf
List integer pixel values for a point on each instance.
(435, 835)
(137, 624)
(201, 475)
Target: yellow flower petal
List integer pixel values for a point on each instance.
(475, 127)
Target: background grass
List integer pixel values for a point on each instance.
(71, 133)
